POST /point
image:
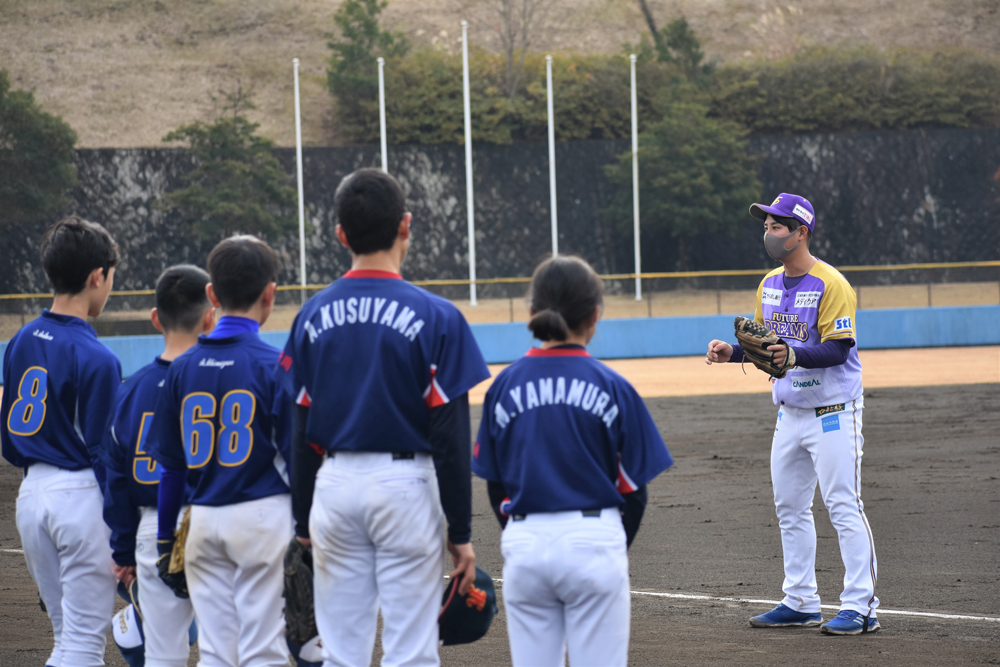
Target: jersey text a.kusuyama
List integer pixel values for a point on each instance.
(374, 354)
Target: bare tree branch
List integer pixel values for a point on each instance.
(519, 21)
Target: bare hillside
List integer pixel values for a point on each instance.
(125, 72)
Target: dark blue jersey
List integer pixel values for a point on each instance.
(372, 354)
(223, 417)
(133, 477)
(561, 431)
(59, 384)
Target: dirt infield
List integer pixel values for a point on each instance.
(932, 494)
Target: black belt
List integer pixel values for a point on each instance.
(396, 456)
(586, 513)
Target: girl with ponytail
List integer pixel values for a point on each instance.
(567, 447)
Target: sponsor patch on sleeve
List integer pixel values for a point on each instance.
(843, 324)
(831, 423)
(807, 299)
(771, 296)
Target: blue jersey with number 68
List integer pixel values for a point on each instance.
(59, 381)
(223, 417)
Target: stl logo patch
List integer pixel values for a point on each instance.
(831, 423)
(843, 324)
(476, 598)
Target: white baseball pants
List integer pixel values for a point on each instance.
(827, 449)
(66, 546)
(565, 585)
(166, 618)
(377, 534)
(234, 562)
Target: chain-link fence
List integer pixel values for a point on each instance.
(663, 295)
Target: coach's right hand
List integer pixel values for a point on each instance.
(719, 352)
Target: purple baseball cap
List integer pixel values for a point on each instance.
(787, 206)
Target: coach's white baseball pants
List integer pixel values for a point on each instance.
(234, 562)
(66, 545)
(378, 541)
(565, 585)
(827, 449)
(166, 618)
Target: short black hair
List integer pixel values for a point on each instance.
(240, 268)
(792, 223)
(369, 205)
(565, 290)
(181, 300)
(72, 248)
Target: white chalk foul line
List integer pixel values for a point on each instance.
(896, 612)
(12, 551)
(772, 603)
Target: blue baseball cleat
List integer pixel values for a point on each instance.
(786, 617)
(849, 622)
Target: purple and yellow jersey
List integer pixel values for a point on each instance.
(133, 477)
(59, 385)
(222, 417)
(820, 308)
(371, 355)
(562, 431)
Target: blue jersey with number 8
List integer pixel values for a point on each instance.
(223, 417)
(59, 382)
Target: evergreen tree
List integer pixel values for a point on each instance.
(238, 185)
(695, 177)
(36, 158)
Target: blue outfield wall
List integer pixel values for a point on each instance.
(676, 336)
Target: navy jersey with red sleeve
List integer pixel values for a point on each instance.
(223, 418)
(59, 384)
(561, 431)
(133, 477)
(371, 354)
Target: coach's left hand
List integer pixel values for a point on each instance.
(125, 574)
(465, 565)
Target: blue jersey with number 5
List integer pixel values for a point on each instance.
(223, 417)
(133, 477)
(59, 382)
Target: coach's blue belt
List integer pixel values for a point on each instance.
(587, 513)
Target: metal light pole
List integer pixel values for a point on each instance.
(635, 183)
(468, 163)
(552, 158)
(381, 112)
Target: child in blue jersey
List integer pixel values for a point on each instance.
(381, 371)
(182, 313)
(567, 447)
(59, 382)
(221, 429)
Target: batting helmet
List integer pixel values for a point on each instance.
(466, 618)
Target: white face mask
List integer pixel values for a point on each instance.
(775, 246)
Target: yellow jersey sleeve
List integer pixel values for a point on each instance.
(837, 308)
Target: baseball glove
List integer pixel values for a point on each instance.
(180, 539)
(755, 338)
(300, 613)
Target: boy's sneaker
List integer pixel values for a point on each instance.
(849, 622)
(785, 617)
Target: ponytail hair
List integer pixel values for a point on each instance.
(565, 291)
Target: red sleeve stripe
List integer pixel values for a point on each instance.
(434, 395)
(303, 398)
(625, 483)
